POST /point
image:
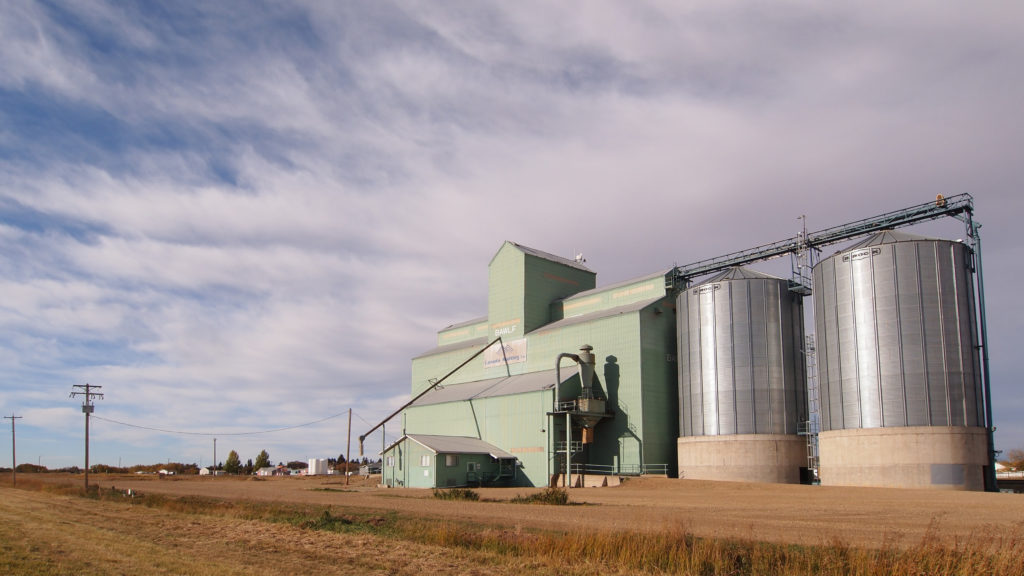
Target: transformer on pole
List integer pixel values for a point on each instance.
(86, 390)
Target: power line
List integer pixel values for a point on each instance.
(187, 433)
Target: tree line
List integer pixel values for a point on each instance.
(232, 465)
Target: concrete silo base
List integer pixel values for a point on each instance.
(743, 457)
(945, 458)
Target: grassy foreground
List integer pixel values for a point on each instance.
(45, 527)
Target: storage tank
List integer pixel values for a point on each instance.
(317, 466)
(742, 386)
(899, 372)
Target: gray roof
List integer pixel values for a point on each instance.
(466, 323)
(455, 445)
(474, 343)
(551, 257)
(503, 386)
(599, 314)
(739, 273)
(609, 287)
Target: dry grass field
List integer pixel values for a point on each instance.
(193, 525)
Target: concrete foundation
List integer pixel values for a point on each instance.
(773, 458)
(939, 457)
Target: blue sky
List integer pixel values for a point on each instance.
(242, 216)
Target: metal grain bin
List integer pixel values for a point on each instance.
(897, 341)
(741, 370)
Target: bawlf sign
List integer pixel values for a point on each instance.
(514, 352)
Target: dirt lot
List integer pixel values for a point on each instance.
(777, 513)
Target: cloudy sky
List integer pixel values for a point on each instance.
(237, 217)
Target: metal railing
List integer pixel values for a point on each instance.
(621, 470)
(576, 446)
(566, 406)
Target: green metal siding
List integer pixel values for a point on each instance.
(522, 287)
(395, 473)
(437, 365)
(506, 293)
(616, 344)
(545, 282)
(459, 474)
(660, 388)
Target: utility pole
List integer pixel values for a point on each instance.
(86, 390)
(215, 457)
(348, 447)
(14, 458)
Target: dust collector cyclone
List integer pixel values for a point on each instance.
(899, 373)
(741, 379)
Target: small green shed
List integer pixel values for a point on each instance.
(429, 461)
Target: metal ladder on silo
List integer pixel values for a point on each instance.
(811, 427)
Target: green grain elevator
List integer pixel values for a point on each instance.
(496, 420)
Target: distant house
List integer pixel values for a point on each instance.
(273, 471)
(371, 468)
(427, 461)
(204, 471)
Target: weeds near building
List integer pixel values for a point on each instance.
(552, 495)
(456, 494)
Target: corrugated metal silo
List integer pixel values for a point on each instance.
(741, 379)
(899, 372)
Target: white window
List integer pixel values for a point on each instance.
(473, 467)
(451, 460)
(425, 460)
(391, 460)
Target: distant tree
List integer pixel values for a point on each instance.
(233, 464)
(26, 467)
(341, 459)
(1015, 458)
(178, 468)
(262, 460)
(297, 465)
(105, 469)
(247, 469)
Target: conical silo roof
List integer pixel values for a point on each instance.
(886, 237)
(739, 273)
